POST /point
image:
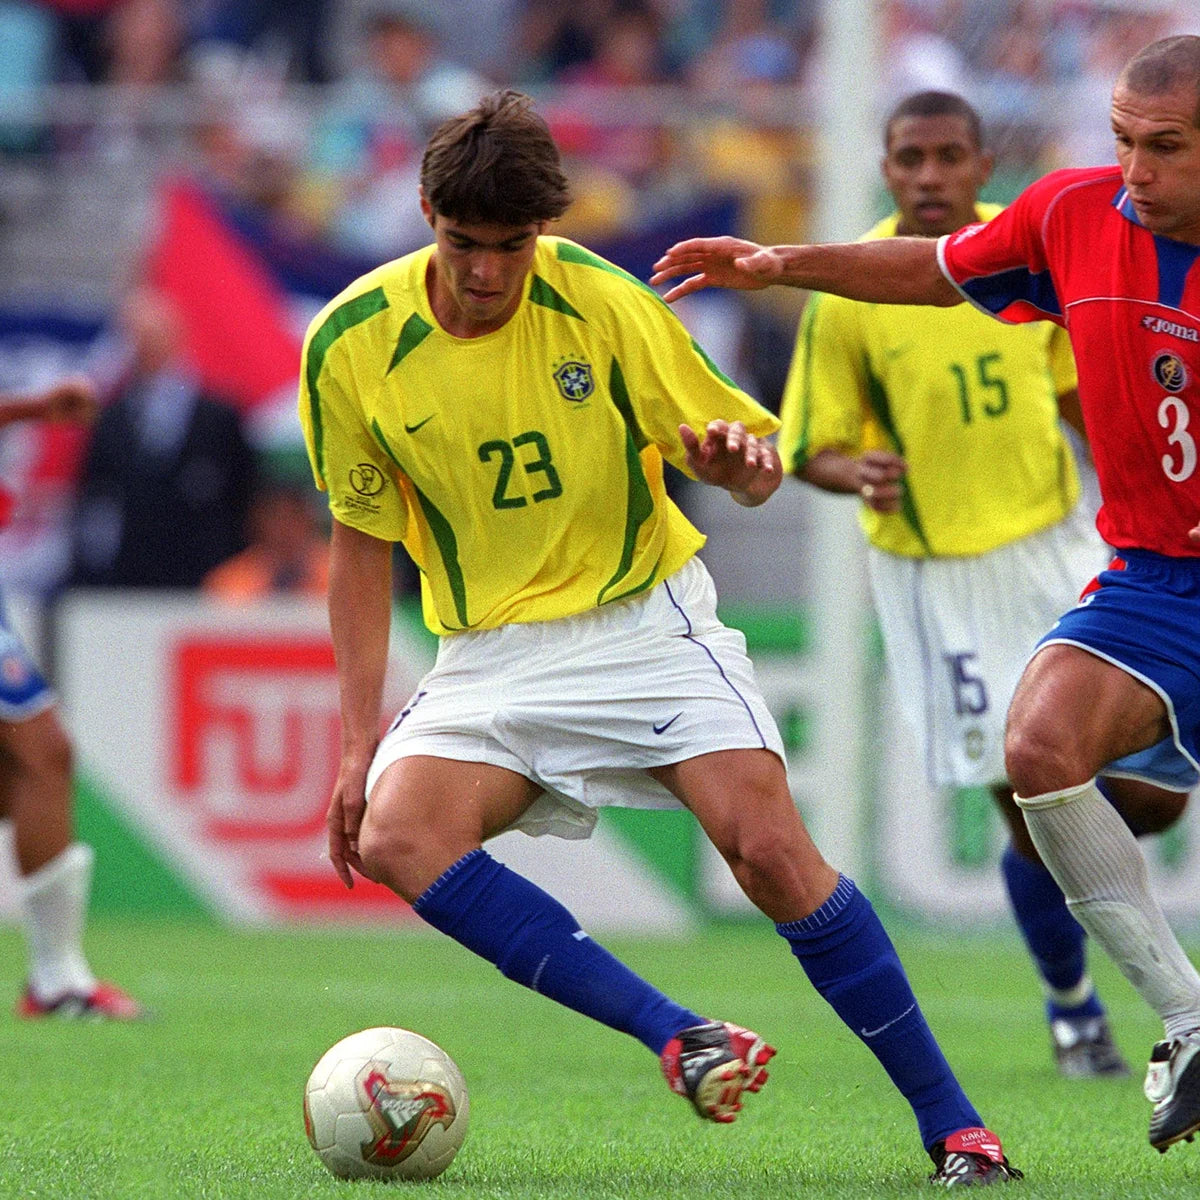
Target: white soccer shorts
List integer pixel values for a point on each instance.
(957, 634)
(583, 705)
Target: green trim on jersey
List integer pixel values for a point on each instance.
(799, 456)
(414, 331)
(344, 317)
(572, 252)
(442, 530)
(639, 501)
(877, 397)
(712, 366)
(619, 392)
(540, 292)
(447, 544)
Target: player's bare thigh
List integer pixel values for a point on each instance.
(1072, 713)
(425, 813)
(742, 801)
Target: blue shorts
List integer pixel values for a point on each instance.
(24, 692)
(1143, 615)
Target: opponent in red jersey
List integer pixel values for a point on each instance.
(1111, 254)
(1129, 298)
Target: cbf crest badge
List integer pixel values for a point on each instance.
(574, 379)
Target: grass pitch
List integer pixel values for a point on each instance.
(203, 1103)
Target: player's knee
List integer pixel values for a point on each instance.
(1040, 760)
(777, 866)
(390, 852)
(758, 855)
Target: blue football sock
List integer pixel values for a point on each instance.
(535, 941)
(1055, 939)
(848, 956)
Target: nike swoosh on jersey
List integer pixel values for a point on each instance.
(413, 428)
(663, 728)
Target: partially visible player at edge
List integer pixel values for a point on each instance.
(968, 567)
(35, 794)
(1111, 253)
(502, 401)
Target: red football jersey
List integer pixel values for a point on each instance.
(1072, 250)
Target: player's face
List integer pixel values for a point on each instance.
(477, 275)
(1158, 147)
(934, 170)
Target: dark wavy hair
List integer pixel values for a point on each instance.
(495, 165)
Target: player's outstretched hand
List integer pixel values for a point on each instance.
(717, 262)
(731, 457)
(73, 399)
(344, 819)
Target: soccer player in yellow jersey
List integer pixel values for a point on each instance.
(502, 402)
(946, 423)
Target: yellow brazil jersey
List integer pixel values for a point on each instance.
(522, 470)
(970, 403)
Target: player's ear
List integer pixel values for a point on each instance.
(426, 207)
(987, 162)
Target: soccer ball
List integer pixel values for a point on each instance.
(386, 1103)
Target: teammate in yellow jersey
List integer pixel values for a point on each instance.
(946, 423)
(502, 402)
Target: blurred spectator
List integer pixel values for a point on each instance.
(251, 152)
(696, 25)
(366, 151)
(556, 36)
(599, 113)
(1106, 30)
(1015, 72)
(750, 46)
(274, 40)
(751, 139)
(27, 42)
(135, 42)
(920, 55)
(167, 476)
(288, 554)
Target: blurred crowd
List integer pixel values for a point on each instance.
(306, 119)
(317, 109)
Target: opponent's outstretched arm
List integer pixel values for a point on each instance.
(898, 270)
(72, 399)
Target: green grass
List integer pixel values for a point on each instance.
(204, 1102)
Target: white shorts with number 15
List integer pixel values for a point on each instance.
(957, 633)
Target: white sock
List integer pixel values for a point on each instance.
(55, 901)
(1100, 868)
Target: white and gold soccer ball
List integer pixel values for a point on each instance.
(386, 1103)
